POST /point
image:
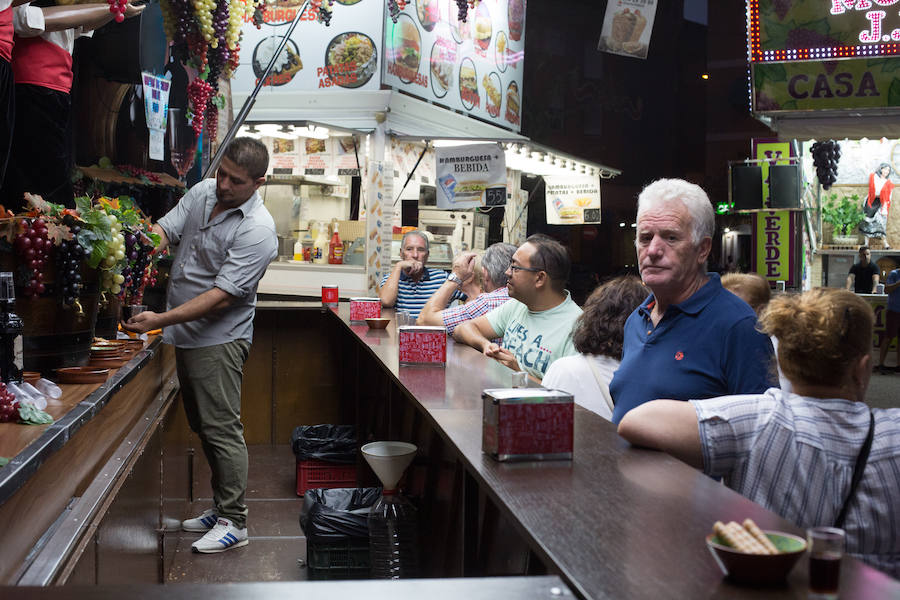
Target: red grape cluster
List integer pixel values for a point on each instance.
(212, 121)
(33, 247)
(9, 406)
(463, 9)
(199, 92)
(138, 172)
(117, 8)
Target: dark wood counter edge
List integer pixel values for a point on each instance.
(25, 464)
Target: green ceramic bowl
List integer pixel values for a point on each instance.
(758, 569)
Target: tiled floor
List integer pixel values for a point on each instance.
(276, 540)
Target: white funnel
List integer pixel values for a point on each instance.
(389, 460)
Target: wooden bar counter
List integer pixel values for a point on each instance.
(613, 522)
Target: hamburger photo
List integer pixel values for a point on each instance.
(482, 30)
(407, 44)
(468, 83)
(512, 103)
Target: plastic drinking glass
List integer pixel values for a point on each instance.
(519, 379)
(826, 548)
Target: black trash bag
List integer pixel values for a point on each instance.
(337, 514)
(333, 443)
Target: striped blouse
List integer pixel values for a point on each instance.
(412, 295)
(795, 456)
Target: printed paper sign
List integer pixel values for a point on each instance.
(156, 109)
(572, 199)
(470, 176)
(627, 27)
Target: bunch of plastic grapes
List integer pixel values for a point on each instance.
(238, 10)
(117, 8)
(33, 247)
(115, 249)
(326, 10)
(9, 406)
(203, 15)
(199, 92)
(462, 10)
(69, 256)
(137, 274)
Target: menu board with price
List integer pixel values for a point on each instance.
(475, 65)
(341, 56)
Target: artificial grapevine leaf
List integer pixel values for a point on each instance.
(155, 238)
(31, 415)
(38, 203)
(219, 101)
(83, 204)
(3, 461)
(56, 231)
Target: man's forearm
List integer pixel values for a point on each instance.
(431, 312)
(468, 334)
(199, 306)
(849, 281)
(388, 291)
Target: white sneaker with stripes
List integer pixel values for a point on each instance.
(223, 536)
(201, 524)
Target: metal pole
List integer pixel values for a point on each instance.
(251, 100)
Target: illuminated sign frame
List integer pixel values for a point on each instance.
(875, 40)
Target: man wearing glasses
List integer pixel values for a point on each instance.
(536, 325)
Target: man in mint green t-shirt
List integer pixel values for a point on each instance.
(537, 324)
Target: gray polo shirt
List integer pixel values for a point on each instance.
(231, 252)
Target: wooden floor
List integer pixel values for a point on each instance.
(277, 548)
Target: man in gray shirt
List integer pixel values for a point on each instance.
(226, 239)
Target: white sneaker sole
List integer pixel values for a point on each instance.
(217, 550)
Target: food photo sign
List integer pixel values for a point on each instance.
(469, 176)
(474, 65)
(572, 199)
(342, 56)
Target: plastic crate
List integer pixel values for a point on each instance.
(320, 474)
(338, 560)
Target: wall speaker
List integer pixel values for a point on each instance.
(784, 186)
(746, 187)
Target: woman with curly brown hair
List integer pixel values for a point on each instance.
(818, 456)
(598, 337)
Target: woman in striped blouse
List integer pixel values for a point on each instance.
(795, 453)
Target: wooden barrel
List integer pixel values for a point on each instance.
(108, 314)
(55, 335)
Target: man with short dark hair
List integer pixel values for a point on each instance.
(226, 239)
(690, 339)
(411, 283)
(536, 325)
(864, 275)
(493, 268)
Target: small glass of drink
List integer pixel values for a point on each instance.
(519, 379)
(826, 548)
(132, 310)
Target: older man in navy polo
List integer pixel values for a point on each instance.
(691, 338)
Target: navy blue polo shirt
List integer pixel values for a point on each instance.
(704, 347)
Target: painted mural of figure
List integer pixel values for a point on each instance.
(878, 204)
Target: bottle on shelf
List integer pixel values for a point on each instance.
(335, 247)
(393, 537)
(298, 250)
(320, 247)
(11, 327)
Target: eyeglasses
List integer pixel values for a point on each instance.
(514, 268)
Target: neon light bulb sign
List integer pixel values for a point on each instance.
(825, 30)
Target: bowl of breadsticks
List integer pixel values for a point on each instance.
(748, 555)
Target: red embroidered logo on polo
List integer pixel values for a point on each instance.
(679, 355)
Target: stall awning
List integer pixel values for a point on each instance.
(363, 110)
(838, 124)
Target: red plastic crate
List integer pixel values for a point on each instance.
(320, 474)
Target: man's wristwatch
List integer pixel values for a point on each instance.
(455, 279)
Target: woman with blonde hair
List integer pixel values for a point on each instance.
(818, 456)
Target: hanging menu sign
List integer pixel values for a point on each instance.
(342, 56)
(475, 65)
(572, 199)
(627, 27)
(470, 176)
